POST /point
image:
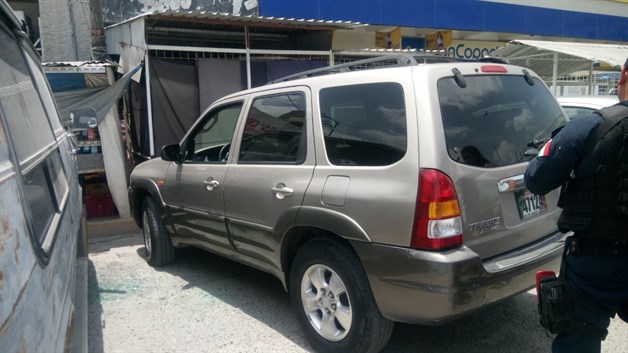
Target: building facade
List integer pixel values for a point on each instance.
(67, 30)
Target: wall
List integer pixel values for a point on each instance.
(65, 30)
(583, 19)
(120, 10)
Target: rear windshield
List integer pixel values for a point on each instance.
(496, 120)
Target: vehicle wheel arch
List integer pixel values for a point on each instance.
(141, 189)
(296, 237)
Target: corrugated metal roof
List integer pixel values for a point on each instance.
(203, 16)
(77, 66)
(539, 55)
(92, 63)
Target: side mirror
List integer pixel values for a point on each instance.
(171, 153)
(80, 118)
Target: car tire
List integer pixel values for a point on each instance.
(159, 249)
(347, 320)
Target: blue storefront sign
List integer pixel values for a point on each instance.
(590, 19)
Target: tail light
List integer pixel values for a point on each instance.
(437, 222)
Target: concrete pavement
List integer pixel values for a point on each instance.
(204, 303)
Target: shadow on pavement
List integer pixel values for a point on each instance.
(95, 336)
(507, 327)
(256, 293)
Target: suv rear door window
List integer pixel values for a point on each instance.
(364, 125)
(495, 119)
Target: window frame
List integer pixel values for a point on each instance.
(195, 130)
(302, 151)
(47, 160)
(365, 130)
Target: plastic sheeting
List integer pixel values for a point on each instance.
(174, 97)
(103, 101)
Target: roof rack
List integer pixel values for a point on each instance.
(395, 60)
(387, 60)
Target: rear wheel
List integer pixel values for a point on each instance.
(159, 249)
(333, 300)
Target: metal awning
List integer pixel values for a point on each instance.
(260, 21)
(553, 59)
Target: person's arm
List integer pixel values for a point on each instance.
(558, 158)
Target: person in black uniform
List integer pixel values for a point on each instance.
(596, 261)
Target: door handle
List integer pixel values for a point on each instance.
(210, 184)
(281, 191)
(511, 184)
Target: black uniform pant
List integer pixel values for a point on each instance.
(603, 278)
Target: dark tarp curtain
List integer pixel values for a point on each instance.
(101, 99)
(138, 117)
(258, 73)
(217, 78)
(281, 68)
(181, 91)
(174, 97)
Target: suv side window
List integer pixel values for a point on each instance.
(210, 141)
(44, 181)
(364, 125)
(274, 131)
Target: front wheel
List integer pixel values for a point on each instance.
(159, 249)
(333, 300)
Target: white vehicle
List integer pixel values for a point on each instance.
(43, 263)
(576, 105)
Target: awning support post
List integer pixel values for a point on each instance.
(590, 78)
(149, 106)
(248, 57)
(555, 75)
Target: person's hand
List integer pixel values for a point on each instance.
(622, 84)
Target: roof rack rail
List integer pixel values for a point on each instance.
(377, 62)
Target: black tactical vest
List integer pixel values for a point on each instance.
(597, 206)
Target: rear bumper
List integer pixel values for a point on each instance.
(431, 288)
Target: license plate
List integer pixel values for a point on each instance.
(529, 204)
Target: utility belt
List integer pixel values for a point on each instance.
(580, 245)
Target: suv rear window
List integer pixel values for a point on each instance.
(364, 125)
(494, 120)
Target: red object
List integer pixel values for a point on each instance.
(539, 276)
(493, 68)
(99, 205)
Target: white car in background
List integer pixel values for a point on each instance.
(576, 105)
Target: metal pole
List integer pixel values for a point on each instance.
(590, 78)
(555, 75)
(248, 57)
(149, 108)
